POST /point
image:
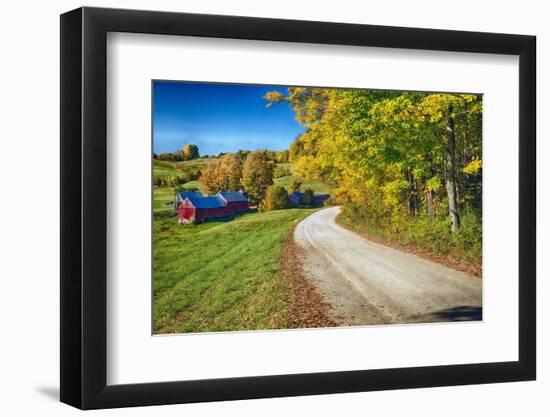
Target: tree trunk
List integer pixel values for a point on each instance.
(430, 203)
(450, 171)
(413, 195)
(429, 193)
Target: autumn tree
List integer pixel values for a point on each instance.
(282, 156)
(224, 174)
(393, 155)
(210, 177)
(230, 172)
(257, 174)
(295, 149)
(189, 152)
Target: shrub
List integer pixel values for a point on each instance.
(295, 186)
(169, 156)
(276, 198)
(181, 188)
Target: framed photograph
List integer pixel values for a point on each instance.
(257, 208)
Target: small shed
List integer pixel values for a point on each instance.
(199, 209)
(236, 201)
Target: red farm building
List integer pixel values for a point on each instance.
(199, 209)
(236, 201)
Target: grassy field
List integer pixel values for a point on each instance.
(221, 276)
(196, 184)
(317, 186)
(164, 169)
(169, 168)
(161, 196)
(199, 163)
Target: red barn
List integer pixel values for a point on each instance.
(197, 210)
(236, 201)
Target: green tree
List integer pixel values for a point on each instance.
(276, 198)
(257, 174)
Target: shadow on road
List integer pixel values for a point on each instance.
(461, 313)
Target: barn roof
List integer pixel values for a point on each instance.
(231, 196)
(206, 202)
(191, 194)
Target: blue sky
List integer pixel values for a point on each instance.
(219, 118)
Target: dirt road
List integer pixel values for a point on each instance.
(369, 283)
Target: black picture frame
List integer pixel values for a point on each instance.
(84, 207)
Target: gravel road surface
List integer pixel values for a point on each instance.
(369, 283)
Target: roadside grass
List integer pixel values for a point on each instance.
(318, 187)
(221, 276)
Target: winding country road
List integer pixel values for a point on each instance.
(369, 283)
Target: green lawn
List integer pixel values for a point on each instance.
(318, 187)
(220, 276)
